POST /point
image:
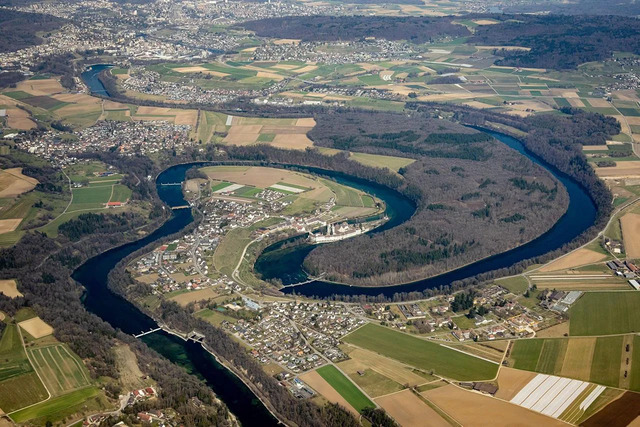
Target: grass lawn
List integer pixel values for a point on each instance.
(422, 354)
(525, 354)
(605, 313)
(345, 387)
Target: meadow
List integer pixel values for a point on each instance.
(422, 354)
(57, 408)
(345, 387)
(60, 370)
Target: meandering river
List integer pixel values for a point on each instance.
(122, 314)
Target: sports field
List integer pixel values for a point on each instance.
(422, 354)
(595, 359)
(605, 313)
(345, 387)
(59, 369)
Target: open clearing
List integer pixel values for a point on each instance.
(575, 259)
(630, 224)
(605, 313)
(345, 387)
(13, 182)
(422, 354)
(408, 410)
(36, 327)
(258, 176)
(319, 384)
(9, 288)
(469, 408)
(621, 170)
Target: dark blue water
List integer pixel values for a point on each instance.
(580, 215)
(122, 314)
(90, 78)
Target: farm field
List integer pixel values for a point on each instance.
(85, 399)
(320, 385)
(19, 384)
(630, 224)
(345, 387)
(409, 410)
(598, 360)
(422, 354)
(468, 408)
(605, 313)
(59, 369)
(282, 133)
(36, 327)
(361, 360)
(574, 259)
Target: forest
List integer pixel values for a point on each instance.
(559, 42)
(332, 28)
(19, 29)
(463, 184)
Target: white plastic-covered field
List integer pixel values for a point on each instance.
(551, 395)
(287, 188)
(229, 188)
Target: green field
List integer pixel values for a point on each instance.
(90, 197)
(14, 360)
(422, 354)
(18, 392)
(19, 384)
(635, 367)
(345, 387)
(345, 196)
(526, 353)
(60, 407)
(59, 369)
(121, 193)
(516, 285)
(605, 366)
(605, 313)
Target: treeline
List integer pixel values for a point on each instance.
(20, 29)
(333, 28)
(10, 78)
(559, 42)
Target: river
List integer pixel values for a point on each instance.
(122, 314)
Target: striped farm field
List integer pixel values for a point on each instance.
(345, 387)
(598, 360)
(422, 354)
(59, 369)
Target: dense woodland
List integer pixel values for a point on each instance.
(475, 198)
(579, 7)
(559, 42)
(19, 29)
(332, 28)
(59, 65)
